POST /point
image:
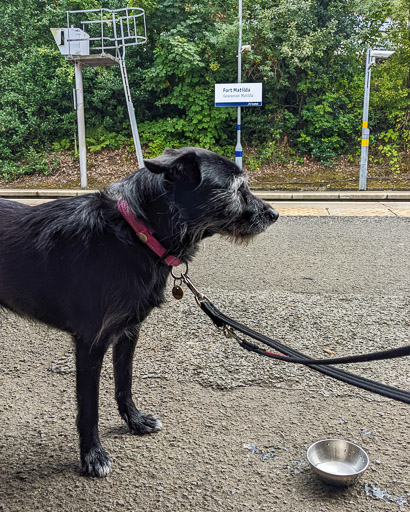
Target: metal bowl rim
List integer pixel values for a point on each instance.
(334, 474)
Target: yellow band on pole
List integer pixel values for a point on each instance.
(365, 142)
(365, 124)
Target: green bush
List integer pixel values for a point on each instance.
(33, 163)
(308, 54)
(34, 105)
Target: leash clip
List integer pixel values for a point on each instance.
(229, 333)
(199, 297)
(183, 277)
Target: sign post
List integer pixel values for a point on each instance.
(238, 147)
(238, 95)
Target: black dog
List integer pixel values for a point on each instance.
(78, 265)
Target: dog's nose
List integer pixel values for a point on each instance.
(273, 214)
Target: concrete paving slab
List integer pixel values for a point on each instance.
(30, 202)
(398, 195)
(402, 213)
(359, 196)
(342, 208)
(302, 212)
(398, 208)
(370, 211)
(306, 195)
(341, 195)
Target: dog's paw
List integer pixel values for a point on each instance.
(141, 424)
(96, 463)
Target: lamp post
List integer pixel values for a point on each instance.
(371, 56)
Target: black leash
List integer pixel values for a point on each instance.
(221, 320)
(228, 325)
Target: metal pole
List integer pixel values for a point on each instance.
(238, 147)
(82, 148)
(364, 153)
(131, 113)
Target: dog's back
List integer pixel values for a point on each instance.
(61, 262)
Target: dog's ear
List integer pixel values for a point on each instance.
(176, 167)
(155, 165)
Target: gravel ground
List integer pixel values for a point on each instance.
(236, 426)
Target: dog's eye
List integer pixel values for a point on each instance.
(242, 191)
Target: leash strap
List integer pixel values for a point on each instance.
(145, 234)
(320, 365)
(216, 315)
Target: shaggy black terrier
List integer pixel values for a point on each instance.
(97, 264)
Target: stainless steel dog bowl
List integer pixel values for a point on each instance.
(337, 462)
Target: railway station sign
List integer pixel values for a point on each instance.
(238, 95)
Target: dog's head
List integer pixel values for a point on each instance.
(210, 194)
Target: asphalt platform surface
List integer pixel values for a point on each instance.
(235, 426)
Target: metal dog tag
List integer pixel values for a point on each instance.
(177, 292)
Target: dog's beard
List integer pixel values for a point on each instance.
(241, 233)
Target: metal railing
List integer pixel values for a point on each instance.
(110, 29)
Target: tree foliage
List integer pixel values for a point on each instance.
(309, 54)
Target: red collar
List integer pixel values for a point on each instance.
(145, 234)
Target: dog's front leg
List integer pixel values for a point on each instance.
(94, 459)
(138, 422)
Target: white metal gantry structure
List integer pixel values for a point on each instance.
(99, 37)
